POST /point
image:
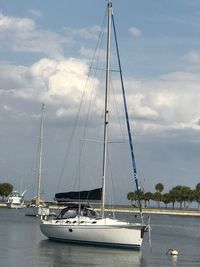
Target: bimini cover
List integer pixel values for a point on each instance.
(80, 196)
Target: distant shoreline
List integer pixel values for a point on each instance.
(158, 211)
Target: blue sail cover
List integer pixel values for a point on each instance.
(80, 196)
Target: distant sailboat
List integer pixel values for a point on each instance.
(78, 222)
(37, 207)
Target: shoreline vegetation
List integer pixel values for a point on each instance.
(180, 195)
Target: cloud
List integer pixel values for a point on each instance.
(59, 83)
(157, 105)
(141, 109)
(135, 32)
(166, 103)
(89, 53)
(90, 33)
(62, 79)
(15, 24)
(23, 35)
(192, 57)
(35, 13)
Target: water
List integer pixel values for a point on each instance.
(22, 244)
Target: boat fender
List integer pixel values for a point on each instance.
(172, 252)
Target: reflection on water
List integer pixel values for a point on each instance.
(62, 254)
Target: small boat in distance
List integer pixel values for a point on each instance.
(37, 206)
(79, 223)
(16, 200)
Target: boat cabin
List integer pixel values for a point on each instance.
(74, 210)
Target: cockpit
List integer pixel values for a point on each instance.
(74, 210)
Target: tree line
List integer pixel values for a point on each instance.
(183, 195)
(5, 190)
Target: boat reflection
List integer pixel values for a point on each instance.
(63, 254)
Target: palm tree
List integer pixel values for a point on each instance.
(159, 187)
(139, 195)
(132, 197)
(147, 197)
(176, 193)
(172, 196)
(187, 195)
(157, 196)
(166, 199)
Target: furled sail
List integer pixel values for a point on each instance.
(93, 195)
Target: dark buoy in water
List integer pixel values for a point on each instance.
(172, 252)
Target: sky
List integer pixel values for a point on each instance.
(45, 52)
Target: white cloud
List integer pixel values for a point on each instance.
(135, 32)
(56, 82)
(140, 109)
(15, 24)
(22, 34)
(87, 52)
(169, 102)
(13, 77)
(90, 33)
(61, 78)
(7, 108)
(63, 112)
(192, 57)
(35, 13)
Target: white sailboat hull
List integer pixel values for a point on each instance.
(103, 232)
(37, 211)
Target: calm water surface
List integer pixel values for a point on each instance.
(22, 244)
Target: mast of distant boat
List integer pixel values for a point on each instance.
(106, 111)
(39, 173)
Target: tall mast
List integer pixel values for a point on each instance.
(21, 187)
(106, 111)
(127, 122)
(40, 153)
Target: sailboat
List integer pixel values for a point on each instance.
(38, 207)
(79, 222)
